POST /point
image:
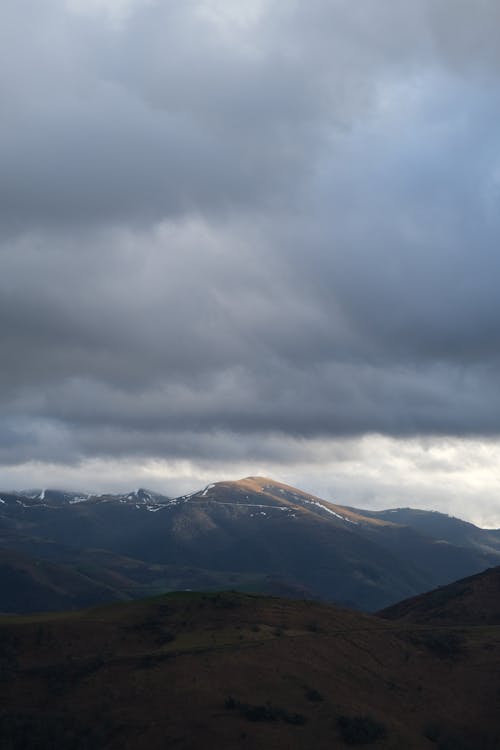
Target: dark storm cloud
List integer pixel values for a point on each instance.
(171, 113)
(159, 118)
(217, 228)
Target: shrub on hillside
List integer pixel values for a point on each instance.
(360, 730)
(445, 644)
(264, 712)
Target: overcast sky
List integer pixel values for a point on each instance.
(252, 237)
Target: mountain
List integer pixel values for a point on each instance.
(52, 498)
(247, 527)
(441, 548)
(471, 601)
(253, 534)
(441, 527)
(225, 670)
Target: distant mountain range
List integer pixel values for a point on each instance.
(63, 550)
(51, 498)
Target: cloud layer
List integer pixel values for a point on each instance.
(230, 230)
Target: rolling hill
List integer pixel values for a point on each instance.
(225, 670)
(471, 601)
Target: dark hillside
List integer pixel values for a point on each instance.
(471, 601)
(197, 671)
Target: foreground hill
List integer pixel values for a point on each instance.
(196, 671)
(254, 535)
(471, 601)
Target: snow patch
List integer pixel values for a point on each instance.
(329, 510)
(186, 497)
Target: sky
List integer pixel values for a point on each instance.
(252, 238)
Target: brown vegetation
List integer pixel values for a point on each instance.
(229, 670)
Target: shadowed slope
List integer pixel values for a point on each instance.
(227, 670)
(474, 600)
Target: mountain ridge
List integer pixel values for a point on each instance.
(251, 530)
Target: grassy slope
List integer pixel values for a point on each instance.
(472, 601)
(197, 670)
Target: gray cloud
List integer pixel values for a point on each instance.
(230, 232)
(172, 113)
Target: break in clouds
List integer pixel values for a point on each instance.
(252, 235)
